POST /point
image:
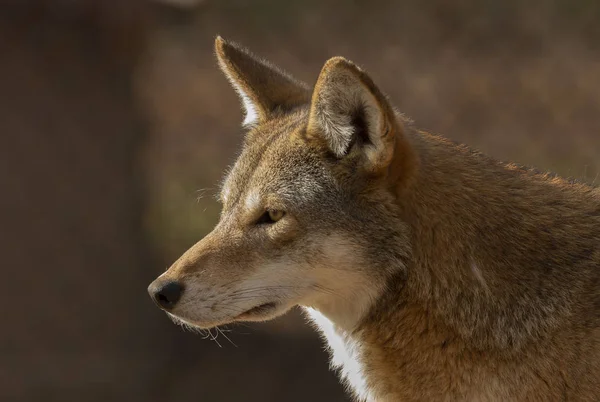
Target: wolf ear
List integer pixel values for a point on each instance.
(348, 110)
(263, 88)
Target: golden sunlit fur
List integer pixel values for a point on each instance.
(435, 273)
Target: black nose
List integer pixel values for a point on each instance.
(166, 294)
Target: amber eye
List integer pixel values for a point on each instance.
(271, 216)
(275, 214)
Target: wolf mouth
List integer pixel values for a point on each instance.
(259, 310)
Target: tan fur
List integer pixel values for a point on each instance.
(434, 272)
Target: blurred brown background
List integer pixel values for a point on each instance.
(116, 126)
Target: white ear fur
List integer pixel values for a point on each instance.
(251, 115)
(339, 104)
(344, 93)
(264, 89)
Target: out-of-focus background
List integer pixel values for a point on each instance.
(115, 128)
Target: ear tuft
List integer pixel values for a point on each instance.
(263, 88)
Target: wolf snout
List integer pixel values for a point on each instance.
(165, 294)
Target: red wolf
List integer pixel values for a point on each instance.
(433, 271)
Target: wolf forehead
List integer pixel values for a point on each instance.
(277, 160)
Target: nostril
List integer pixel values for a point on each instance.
(168, 295)
(162, 298)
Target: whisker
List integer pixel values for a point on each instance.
(214, 338)
(226, 337)
(201, 193)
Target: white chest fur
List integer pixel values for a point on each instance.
(345, 354)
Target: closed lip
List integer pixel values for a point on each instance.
(257, 311)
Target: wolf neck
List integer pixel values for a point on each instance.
(483, 237)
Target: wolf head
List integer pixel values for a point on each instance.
(309, 208)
